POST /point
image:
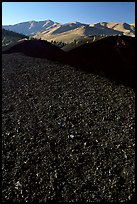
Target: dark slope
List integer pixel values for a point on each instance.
(112, 56)
(67, 136)
(9, 37)
(81, 41)
(36, 48)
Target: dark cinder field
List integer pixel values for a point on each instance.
(68, 134)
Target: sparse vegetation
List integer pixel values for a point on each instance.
(31, 38)
(76, 41)
(59, 44)
(94, 38)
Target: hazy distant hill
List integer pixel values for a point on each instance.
(9, 37)
(49, 30)
(31, 27)
(59, 34)
(114, 56)
(122, 27)
(75, 30)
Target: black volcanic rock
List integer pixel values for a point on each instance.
(36, 48)
(67, 136)
(113, 56)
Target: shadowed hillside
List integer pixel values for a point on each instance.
(113, 56)
(81, 41)
(36, 48)
(9, 37)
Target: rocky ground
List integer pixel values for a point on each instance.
(67, 136)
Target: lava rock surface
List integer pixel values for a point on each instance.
(67, 135)
(112, 57)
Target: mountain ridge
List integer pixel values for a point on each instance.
(30, 27)
(50, 30)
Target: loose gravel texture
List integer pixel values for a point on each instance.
(67, 136)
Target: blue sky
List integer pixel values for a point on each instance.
(64, 12)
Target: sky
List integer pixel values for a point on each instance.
(65, 12)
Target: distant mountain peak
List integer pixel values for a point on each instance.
(74, 28)
(75, 22)
(31, 27)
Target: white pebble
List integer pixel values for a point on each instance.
(71, 136)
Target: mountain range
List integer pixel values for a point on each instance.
(50, 30)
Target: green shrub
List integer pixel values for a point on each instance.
(31, 38)
(59, 44)
(94, 38)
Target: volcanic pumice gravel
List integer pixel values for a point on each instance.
(67, 135)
